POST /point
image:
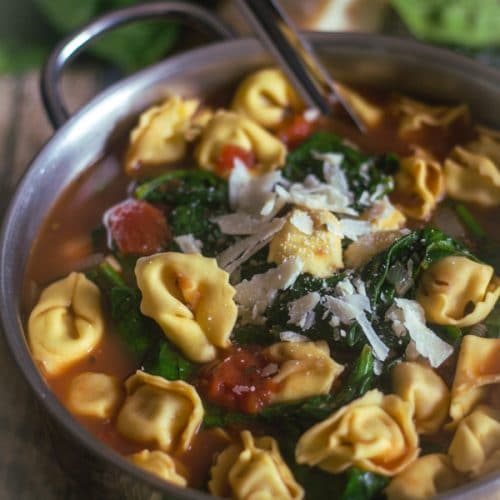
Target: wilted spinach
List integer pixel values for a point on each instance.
(364, 174)
(196, 197)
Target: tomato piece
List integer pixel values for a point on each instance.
(238, 381)
(227, 155)
(137, 227)
(293, 131)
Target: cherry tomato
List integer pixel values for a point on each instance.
(237, 381)
(137, 227)
(294, 130)
(227, 155)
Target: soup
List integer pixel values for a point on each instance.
(258, 300)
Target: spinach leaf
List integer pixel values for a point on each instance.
(136, 330)
(414, 252)
(165, 361)
(184, 187)
(362, 485)
(365, 174)
(255, 334)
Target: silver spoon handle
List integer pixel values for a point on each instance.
(294, 54)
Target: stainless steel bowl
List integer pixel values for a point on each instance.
(364, 59)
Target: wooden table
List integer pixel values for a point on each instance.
(28, 469)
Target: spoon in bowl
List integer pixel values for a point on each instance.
(295, 56)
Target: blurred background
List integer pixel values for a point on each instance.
(28, 31)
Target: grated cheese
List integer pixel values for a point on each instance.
(254, 295)
(427, 343)
(353, 229)
(188, 243)
(301, 311)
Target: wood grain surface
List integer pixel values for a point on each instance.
(28, 468)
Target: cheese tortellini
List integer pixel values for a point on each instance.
(227, 127)
(424, 478)
(476, 441)
(160, 464)
(473, 171)
(416, 114)
(421, 386)
(66, 324)
(375, 433)
(305, 369)
(94, 395)
(419, 185)
(160, 412)
(315, 237)
(477, 371)
(160, 136)
(458, 291)
(253, 469)
(191, 299)
(265, 96)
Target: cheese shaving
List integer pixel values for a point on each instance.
(238, 223)
(188, 243)
(289, 336)
(301, 311)
(255, 295)
(427, 343)
(232, 258)
(302, 221)
(353, 229)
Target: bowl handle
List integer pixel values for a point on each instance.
(71, 46)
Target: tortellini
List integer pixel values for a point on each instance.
(66, 324)
(94, 395)
(375, 433)
(419, 185)
(315, 237)
(415, 115)
(370, 114)
(160, 412)
(160, 136)
(421, 386)
(160, 464)
(478, 369)
(458, 291)
(227, 127)
(191, 299)
(424, 478)
(265, 96)
(304, 369)
(476, 441)
(473, 171)
(253, 469)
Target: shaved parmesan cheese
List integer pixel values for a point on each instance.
(353, 229)
(427, 343)
(188, 244)
(249, 193)
(311, 114)
(302, 221)
(238, 223)
(231, 258)
(254, 295)
(301, 311)
(289, 336)
(317, 195)
(349, 307)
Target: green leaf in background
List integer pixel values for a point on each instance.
(129, 48)
(467, 23)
